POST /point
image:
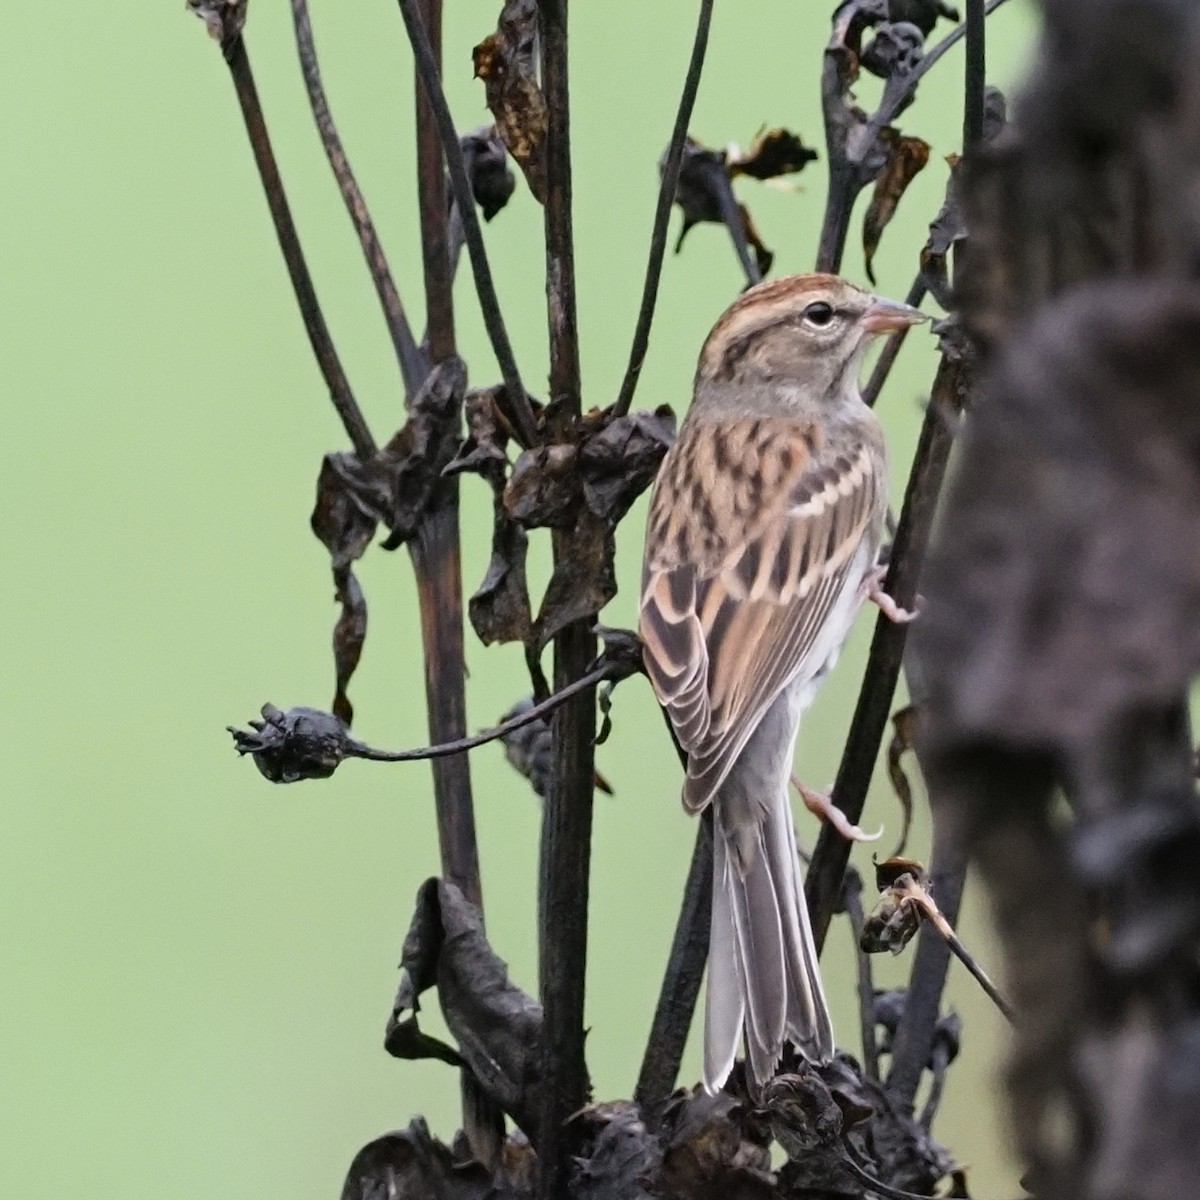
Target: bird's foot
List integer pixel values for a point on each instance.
(873, 587)
(822, 806)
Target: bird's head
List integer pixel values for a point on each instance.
(806, 332)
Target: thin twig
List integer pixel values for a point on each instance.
(289, 242)
(662, 212)
(412, 362)
(871, 713)
(596, 676)
(431, 201)
(565, 858)
(427, 68)
(436, 557)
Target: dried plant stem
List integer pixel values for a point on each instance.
(566, 841)
(289, 242)
(662, 211)
(681, 982)
(408, 354)
(976, 74)
(832, 851)
(427, 70)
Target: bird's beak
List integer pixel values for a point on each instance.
(886, 316)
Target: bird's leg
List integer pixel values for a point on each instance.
(873, 590)
(823, 807)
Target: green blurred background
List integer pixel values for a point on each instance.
(199, 966)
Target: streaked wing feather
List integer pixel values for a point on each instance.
(743, 566)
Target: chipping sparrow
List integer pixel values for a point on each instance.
(763, 535)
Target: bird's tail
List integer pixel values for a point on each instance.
(762, 964)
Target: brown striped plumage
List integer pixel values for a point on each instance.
(764, 524)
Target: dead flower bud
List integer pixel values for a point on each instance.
(302, 743)
(903, 904)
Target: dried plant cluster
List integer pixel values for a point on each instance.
(1052, 660)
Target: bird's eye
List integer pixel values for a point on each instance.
(819, 314)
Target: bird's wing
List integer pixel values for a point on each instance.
(755, 528)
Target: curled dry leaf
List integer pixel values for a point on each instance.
(581, 491)
(411, 1164)
(949, 227)
(906, 158)
(773, 152)
(925, 14)
(499, 610)
(903, 725)
(492, 181)
(704, 193)
(506, 61)
(498, 1027)
(393, 489)
(530, 751)
(839, 1126)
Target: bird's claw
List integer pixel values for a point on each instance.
(823, 807)
(888, 606)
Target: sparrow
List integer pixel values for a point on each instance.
(762, 543)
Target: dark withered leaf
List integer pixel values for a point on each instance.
(302, 743)
(711, 1148)
(349, 633)
(499, 609)
(415, 459)
(890, 1143)
(705, 194)
(483, 451)
(807, 1122)
(348, 506)
(851, 20)
(543, 490)
(903, 725)
(486, 160)
(949, 228)
(623, 1156)
(584, 579)
(620, 461)
(393, 489)
(506, 61)
(773, 152)
(922, 13)
(530, 751)
(498, 1027)
(906, 158)
(411, 1164)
